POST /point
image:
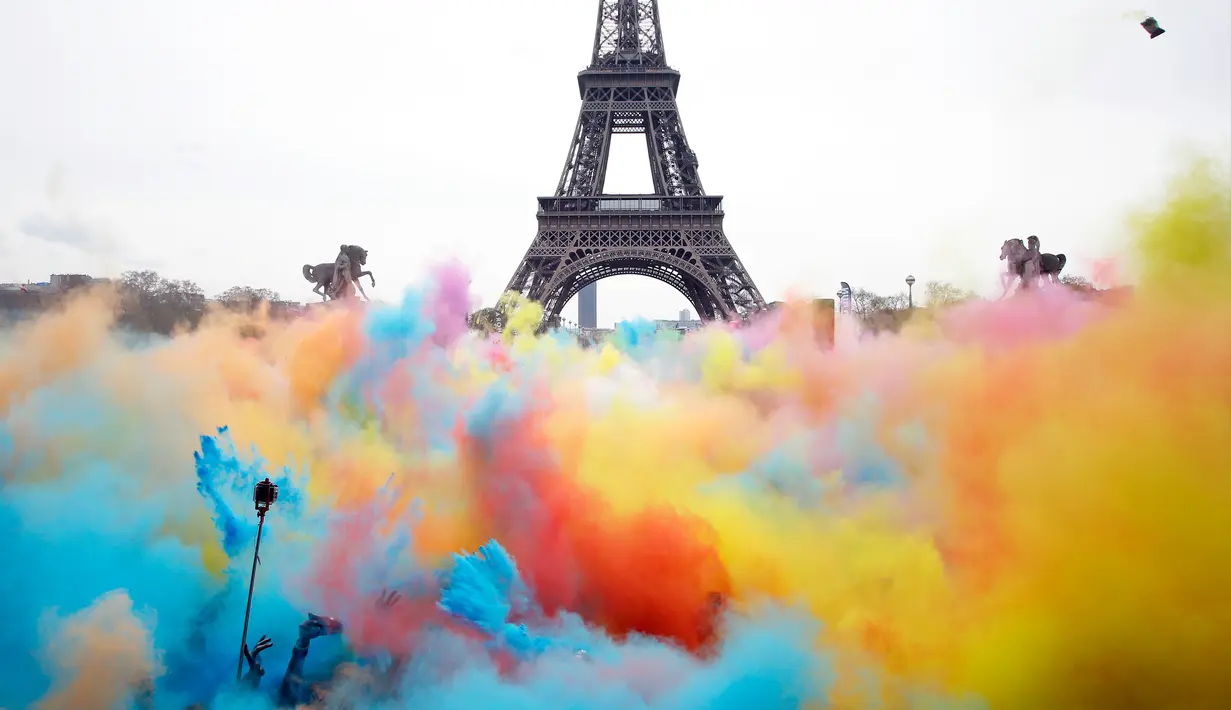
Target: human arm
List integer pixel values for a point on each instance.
(255, 670)
(294, 689)
(388, 681)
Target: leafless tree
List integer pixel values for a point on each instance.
(153, 304)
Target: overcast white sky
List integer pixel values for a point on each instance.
(232, 141)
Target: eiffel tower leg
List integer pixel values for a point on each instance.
(583, 175)
(676, 161)
(586, 167)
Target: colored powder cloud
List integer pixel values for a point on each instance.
(1012, 504)
(98, 657)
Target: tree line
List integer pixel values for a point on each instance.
(878, 314)
(150, 303)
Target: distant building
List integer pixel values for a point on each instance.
(587, 306)
(683, 323)
(593, 336)
(64, 282)
(287, 309)
(18, 300)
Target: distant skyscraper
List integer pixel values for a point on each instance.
(685, 316)
(587, 306)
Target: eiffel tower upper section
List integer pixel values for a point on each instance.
(629, 64)
(674, 235)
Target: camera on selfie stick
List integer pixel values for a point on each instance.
(264, 495)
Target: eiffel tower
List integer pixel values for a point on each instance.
(674, 235)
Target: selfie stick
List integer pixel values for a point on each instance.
(264, 495)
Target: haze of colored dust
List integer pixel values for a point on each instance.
(1012, 504)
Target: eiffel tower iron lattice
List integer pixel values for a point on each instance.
(674, 235)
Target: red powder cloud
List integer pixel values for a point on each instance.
(654, 572)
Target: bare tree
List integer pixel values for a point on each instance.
(156, 305)
(938, 294)
(877, 313)
(864, 303)
(247, 297)
(1077, 282)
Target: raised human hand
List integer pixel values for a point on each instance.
(317, 626)
(253, 655)
(387, 600)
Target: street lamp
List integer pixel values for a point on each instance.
(264, 495)
(910, 292)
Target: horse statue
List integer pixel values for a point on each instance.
(1028, 264)
(353, 258)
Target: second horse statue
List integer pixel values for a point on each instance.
(353, 258)
(1028, 264)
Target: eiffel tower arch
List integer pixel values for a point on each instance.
(674, 235)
